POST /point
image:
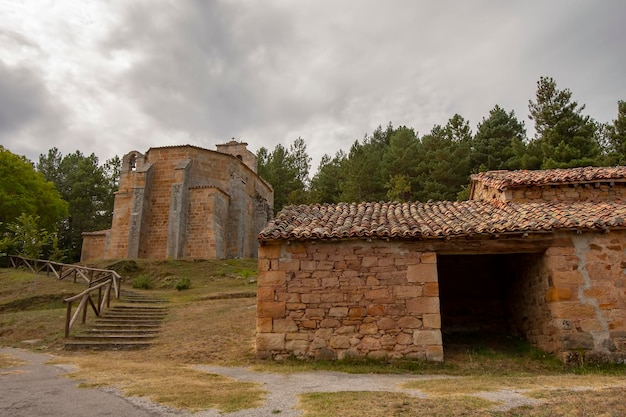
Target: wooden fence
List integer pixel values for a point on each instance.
(101, 280)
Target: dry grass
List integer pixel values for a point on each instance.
(203, 330)
(8, 361)
(171, 384)
(474, 384)
(375, 404)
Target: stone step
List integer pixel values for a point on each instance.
(121, 331)
(132, 337)
(139, 321)
(106, 345)
(130, 316)
(130, 325)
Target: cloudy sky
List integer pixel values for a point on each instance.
(111, 76)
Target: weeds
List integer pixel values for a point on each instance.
(183, 284)
(143, 281)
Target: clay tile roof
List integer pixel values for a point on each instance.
(521, 178)
(439, 219)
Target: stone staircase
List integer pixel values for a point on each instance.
(134, 323)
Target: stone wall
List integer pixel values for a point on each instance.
(567, 192)
(587, 295)
(185, 201)
(94, 244)
(383, 299)
(335, 299)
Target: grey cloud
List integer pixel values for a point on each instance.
(23, 98)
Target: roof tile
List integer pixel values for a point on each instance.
(439, 219)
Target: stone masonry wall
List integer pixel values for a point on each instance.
(94, 245)
(208, 207)
(336, 299)
(155, 214)
(567, 192)
(586, 296)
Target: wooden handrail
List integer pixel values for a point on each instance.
(96, 279)
(85, 297)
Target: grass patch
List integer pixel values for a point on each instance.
(594, 402)
(167, 383)
(143, 281)
(375, 404)
(9, 361)
(474, 384)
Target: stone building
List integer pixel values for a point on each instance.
(535, 254)
(185, 202)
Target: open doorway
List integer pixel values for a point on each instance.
(484, 299)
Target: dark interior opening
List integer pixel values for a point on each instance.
(484, 297)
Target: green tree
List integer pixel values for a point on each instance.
(616, 137)
(287, 170)
(364, 180)
(25, 237)
(326, 184)
(443, 161)
(399, 164)
(24, 191)
(89, 190)
(566, 137)
(499, 139)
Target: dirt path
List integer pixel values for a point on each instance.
(37, 388)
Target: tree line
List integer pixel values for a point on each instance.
(45, 207)
(397, 164)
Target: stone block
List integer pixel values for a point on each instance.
(427, 338)
(386, 323)
(269, 251)
(558, 294)
(571, 310)
(308, 265)
(265, 294)
(431, 321)
(268, 342)
(404, 339)
(273, 309)
(407, 291)
(422, 305)
(338, 312)
(396, 310)
(339, 342)
(369, 344)
(324, 333)
(289, 264)
(272, 278)
(356, 312)
(310, 298)
(330, 282)
(264, 325)
(564, 279)
(429, 258)
(330, 323)
(285, 326)
(409, 323)
(431, 289)
(368, 328)
(434, 353)
(331, 297)
(576, 341)
(375, 310)
(314, 313)
(297, 347)
(377, 294)
(422, 273)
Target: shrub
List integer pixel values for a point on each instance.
(142, 281)
(183, 284)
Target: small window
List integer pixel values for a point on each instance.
(133, 163)
(240, 157)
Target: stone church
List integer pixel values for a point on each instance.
(185, 202)
(539, 255)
